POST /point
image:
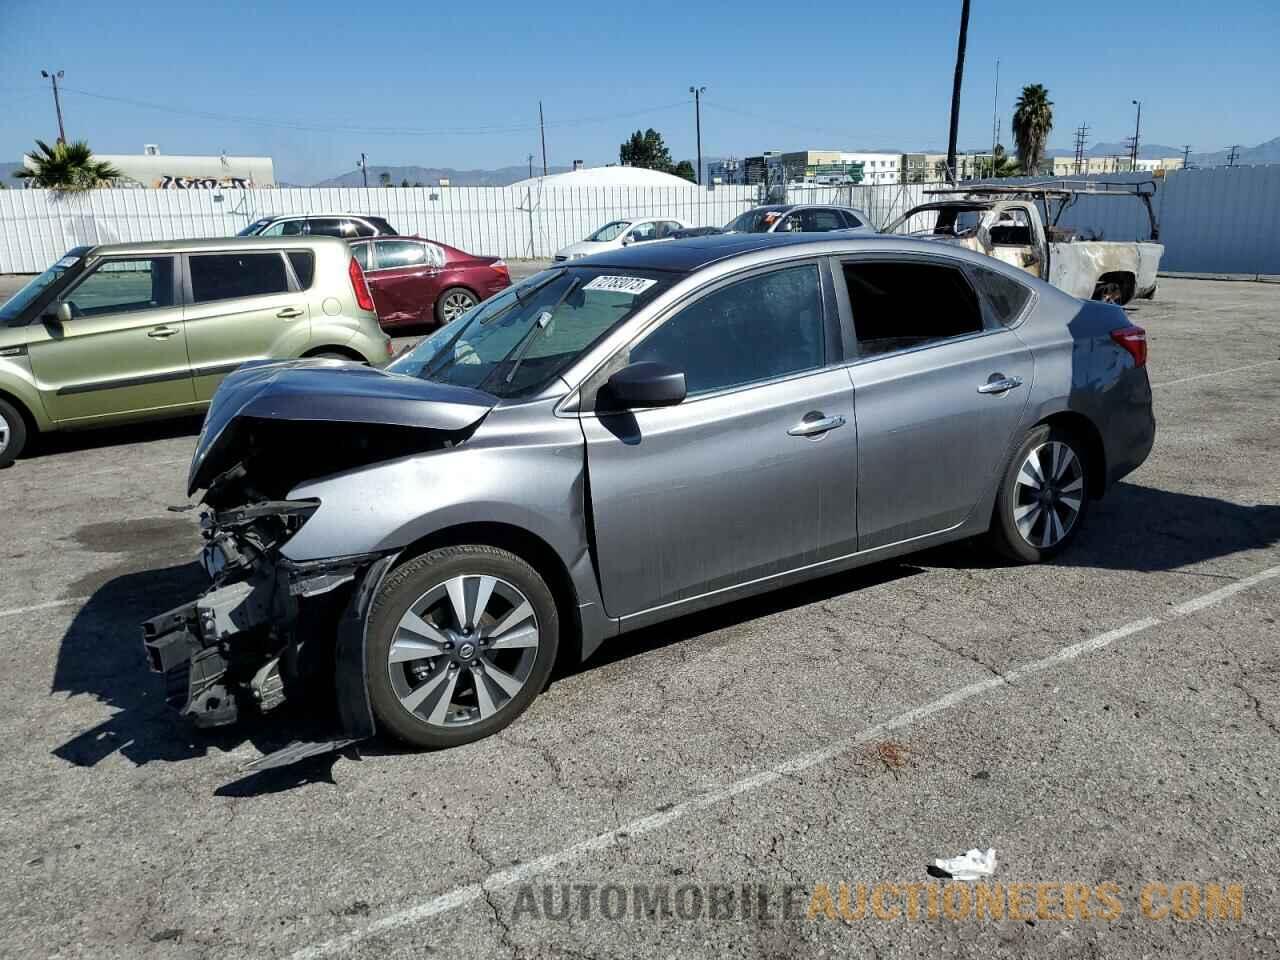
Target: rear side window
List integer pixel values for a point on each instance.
(361, 252)
(757, 329)
(820, 221)
(304, 266)
(226, 276)
(1006, 297)
(850, 219)
(383, 227)
(330, 227)
(897, 305)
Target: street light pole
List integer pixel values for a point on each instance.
(1137, 131)
(697, 120)
(57, 102)
(955, 91)
(364, 169)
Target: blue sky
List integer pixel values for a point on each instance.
(460, 87)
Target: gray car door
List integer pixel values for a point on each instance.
(754, 473)
(941, 390)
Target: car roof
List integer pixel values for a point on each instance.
(694, 253)
(217, 243)
(296, 216)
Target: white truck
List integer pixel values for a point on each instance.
(1019, 225)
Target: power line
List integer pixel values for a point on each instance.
(374, 131)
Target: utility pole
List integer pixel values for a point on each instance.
(1137, 132)
(995, 119)
(543, 130)
(531, 166)
(57, 101)
(697, 121)
(1233, 155)
(1186, 156)
(364, 169)
(1082, 135)
(955, 91)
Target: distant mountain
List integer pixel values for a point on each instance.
(1268, 152)
(1146, 151)
(430, 176)
(6, 174)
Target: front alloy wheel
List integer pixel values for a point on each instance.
(461, 641)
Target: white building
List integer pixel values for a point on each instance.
(152, 168)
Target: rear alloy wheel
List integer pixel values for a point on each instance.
(453, 303)
(461, 641)
(13, 433)
(1043, 497)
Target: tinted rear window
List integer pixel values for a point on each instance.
(226, 276)
(304, 266)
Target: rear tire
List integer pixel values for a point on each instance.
(461, 641)
(1043, 497)
(453, 303)
(13, 433)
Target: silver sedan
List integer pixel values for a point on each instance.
(624, 440)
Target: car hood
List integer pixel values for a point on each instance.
(326, 391)
(585, 248)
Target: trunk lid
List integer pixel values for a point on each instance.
(326, 391)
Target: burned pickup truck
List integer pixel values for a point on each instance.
(1021, 226)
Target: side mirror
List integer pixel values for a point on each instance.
(643, 384)
(62, 314)
(628, 240)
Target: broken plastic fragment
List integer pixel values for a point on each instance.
(973, 865)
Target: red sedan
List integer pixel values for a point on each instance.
(417, 282)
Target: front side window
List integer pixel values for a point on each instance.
(759, 220)
(283, 228)
(643, 232)
(123, 286)
(514, 343)
(253, 229)
(766, 326)
(901, 304)
(227, 276)
(609, 231)
(394, 254)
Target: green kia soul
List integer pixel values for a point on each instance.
(135, 331)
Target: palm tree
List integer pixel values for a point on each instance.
(66, 166)
(1032, 121)
(384, 178)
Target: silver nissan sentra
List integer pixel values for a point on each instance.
(624, 440)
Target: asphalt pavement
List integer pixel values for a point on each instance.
(1108, 723)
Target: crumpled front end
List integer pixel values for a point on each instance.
(264, 627)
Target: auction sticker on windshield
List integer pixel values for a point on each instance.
(631, 285)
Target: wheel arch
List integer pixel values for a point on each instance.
(533, 550)
(1127, 279)
(1080, 426)
(24, 410)
(334, 348)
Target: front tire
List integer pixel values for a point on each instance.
(1043, 497)
(461, 641)
(13, 433)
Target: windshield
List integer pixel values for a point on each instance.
(609, 231)
(28, 294)
(759, 220)
(516, 342)
(252, 229)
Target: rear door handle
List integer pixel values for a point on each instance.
(161, 333)
(1000, 384)
(289, 313)
(810, 428)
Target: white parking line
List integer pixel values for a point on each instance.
(1214, 373)
(13, 612)
(462, 896)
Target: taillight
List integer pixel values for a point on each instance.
(501, 267)
(1133, 339)
(364, 299)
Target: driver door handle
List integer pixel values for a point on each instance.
(289, 313)
(810, 428)
(1000, 384)
(161, 333)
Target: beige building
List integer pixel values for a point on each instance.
(1067, 167)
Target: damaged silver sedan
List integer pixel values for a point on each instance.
(618, 442)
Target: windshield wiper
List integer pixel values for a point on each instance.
(540, 325)
(522, 293)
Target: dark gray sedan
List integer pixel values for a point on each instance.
(624, 440)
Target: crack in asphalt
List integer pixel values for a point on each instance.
(504, 928)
